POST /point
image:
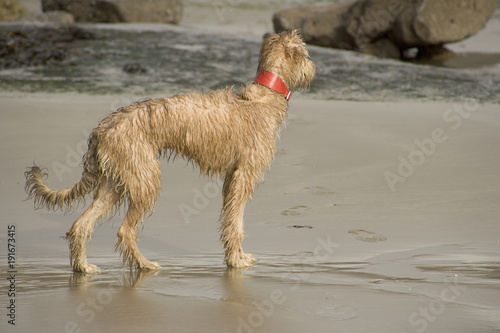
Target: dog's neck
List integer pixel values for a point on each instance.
(273, 82)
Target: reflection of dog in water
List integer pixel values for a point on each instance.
(229, 133)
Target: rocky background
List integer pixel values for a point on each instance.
(36, 44)
(40, 46)
(398, 29)
(104, 11)
(11, 10)
(389, 28)
(114, 11)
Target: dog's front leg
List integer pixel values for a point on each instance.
(237, 189)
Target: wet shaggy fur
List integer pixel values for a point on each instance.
(229, 133)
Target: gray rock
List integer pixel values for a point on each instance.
(383, 48)
(134, 68)
(39, 45)
(56, 16)
(114, 11)
(387, 28)
(319, 25)
(11, 10)
(370, 20)
(441, 22)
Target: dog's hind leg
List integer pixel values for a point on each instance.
(127, 241)
(143, 190)
(238, 188)
(104, 199)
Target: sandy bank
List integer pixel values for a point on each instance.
(369, 212)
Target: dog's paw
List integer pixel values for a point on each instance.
(240, 260)
(86, 268)
(149, 266)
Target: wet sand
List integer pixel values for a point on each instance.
(374, 217)
(342, 245)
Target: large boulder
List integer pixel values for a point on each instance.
(387, 28)
(114, 11)
(11, 10)
(319, 25)
(441, 22)
(343, 26)
(57, 16)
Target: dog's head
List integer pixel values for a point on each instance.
(285, 54)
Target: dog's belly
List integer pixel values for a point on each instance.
(212, 152)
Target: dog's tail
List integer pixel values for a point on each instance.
(63, 199)
(52, 199)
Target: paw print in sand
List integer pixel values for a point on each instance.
(367, 236)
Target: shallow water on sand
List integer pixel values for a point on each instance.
(402, 291)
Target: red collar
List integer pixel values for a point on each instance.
(273, 82)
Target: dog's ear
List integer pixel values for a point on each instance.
(266, 35)
(270, 38)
